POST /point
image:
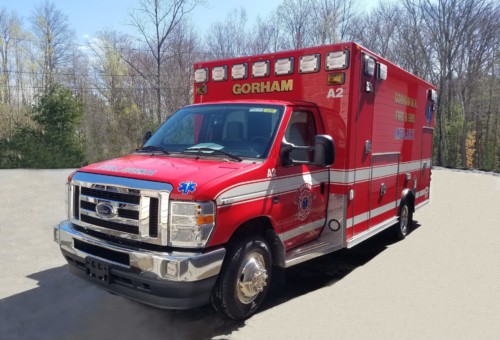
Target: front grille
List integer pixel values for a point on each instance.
(110, 225)
(118, 210)
(130, 214)
(110, 195)
(153, 217)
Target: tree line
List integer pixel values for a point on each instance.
(63, 104)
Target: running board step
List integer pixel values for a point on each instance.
(309, 251)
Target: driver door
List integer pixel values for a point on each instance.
(302, 187)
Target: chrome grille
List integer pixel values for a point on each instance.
(122, 207)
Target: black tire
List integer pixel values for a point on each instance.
(405, 222)
(244, 279)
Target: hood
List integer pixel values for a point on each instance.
(189, 177)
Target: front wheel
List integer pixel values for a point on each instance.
(405, 221)
(244, 279)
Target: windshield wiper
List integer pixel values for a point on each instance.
(206, 148)
(153, 148)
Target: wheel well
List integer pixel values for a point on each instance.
(409, 198)
(261, 226)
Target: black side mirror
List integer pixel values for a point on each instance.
(324, 150)
(147, 135)
(286, 148)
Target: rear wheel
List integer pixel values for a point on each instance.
(244, 279)
(405, 221)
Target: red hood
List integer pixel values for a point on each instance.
(188, 176)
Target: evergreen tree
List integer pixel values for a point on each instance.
(53, 141)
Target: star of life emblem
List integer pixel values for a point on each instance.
(304, 199)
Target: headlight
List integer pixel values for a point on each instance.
(191, 223)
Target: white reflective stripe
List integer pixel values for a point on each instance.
(421, 193)
(385, 170)
(364, 174)
(247, 191)
(411, 166)
(339, 176)
(287, 235)
(372, 213)
(293, 183)
(253, 190)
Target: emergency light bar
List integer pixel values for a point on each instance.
(369, 66)
(433, 96)
(381, 71)
(309, 63)
(201, 75)
(239, 71)
(337, 60)
(219, 73)
(260, 69)
(283, 66)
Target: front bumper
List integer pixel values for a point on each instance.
(176, 280)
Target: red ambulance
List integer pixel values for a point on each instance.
(282, 158)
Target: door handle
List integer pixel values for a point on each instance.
(276, 199)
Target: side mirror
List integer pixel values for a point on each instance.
(147, 135)
(324, 150)
(286, 148)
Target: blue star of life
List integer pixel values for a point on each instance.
(186, 187)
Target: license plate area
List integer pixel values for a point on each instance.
(97, 269)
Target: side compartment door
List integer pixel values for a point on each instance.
(303, 189)
(383, 187)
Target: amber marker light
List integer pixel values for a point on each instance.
(201, 89)
(336, 78)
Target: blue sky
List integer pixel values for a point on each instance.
(86, 17)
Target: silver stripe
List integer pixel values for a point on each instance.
(421, 193)
(370, 232)
(248, 191)
(385, 170)
(287, 235)
(371, 213)
(364, 174)
(270, 187)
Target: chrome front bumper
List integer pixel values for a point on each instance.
(172, 279)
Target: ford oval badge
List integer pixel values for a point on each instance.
(105, 210)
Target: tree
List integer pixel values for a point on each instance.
(228, 38)
(54, 40)
(53, 142)
(331, 20)
(296, 21)
(155, 21)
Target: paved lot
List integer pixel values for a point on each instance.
(442, 282)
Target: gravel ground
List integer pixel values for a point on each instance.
(442, 282)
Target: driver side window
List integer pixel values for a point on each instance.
(300, 132)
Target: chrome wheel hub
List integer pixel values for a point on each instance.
(252, 278)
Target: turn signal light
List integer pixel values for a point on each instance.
(336, 78)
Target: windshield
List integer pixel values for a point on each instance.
(240, 130)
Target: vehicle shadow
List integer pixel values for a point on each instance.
(328, 269)
(66, 307)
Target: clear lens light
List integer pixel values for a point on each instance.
(191, 223)
(201, 75)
